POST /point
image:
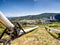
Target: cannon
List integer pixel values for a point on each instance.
(13, 31)
(53, 32)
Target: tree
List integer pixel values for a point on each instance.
(57, 17)
(24, 23)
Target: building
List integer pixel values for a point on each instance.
(52, 19)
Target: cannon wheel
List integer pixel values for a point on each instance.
(5, 42)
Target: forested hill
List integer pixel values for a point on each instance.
(39, 16)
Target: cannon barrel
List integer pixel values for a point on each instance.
(5, 21)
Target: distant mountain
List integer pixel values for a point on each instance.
(31, 17)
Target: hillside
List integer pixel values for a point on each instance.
(38, 16)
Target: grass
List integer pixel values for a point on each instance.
(54, 25)
(1, 28)
(38, 37)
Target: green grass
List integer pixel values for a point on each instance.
(54, 25)
(1, 28)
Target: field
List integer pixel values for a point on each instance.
(54, 25)
(38, 37)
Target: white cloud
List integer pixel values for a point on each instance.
(13, 14)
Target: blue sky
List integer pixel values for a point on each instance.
(28, 7)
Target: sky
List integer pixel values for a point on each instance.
(15, 8)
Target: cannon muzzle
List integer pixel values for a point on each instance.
(5, 21)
